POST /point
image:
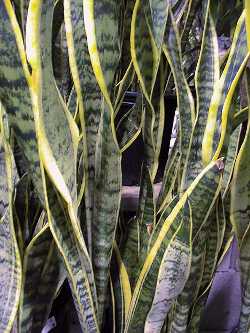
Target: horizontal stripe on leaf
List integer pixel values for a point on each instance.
(142, 49)
(213, 246)
(183, 304)
(159, 12)
(106, 14)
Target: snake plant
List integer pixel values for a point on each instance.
(65, 66)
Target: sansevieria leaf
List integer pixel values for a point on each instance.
(106, 206)
(42, 267)
(206, 76)
(169, 178)
(173, 273)
(239, 216)
(89, 99)
(145, 57)
(67, 234)
(14, 90)
(172, 50)
(104, 50)
(130, 250)
(145, 286)
(240, 195)
(10, 261)
(221, 101)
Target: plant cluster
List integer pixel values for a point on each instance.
(65, 67)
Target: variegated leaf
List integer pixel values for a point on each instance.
(172, 50)
(206, 76)
(42, 267)
(205, 184)
(173, 273)
(107, 199)
(10, 261)
(219, 110)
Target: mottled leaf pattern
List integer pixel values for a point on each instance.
(221, 101)
(14, 91)
(10, 260)
(88, 96)
(43, 268)
(169, 178)
(240, 209)
(172, 50)
(206, 182)
(130, 250)
(66, 70)
(106, 206)
(173, 273)
(206, 76)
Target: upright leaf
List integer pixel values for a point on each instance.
(240, 212)
(216, 126)
(14, 89)
(108, 184)
(206, 76)
(104, 50)
(41, 267)
(145, 57)
(66, 232)
(173, 273)
(172, 50)
(145, 286)
(89, 99)
(11, 269)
